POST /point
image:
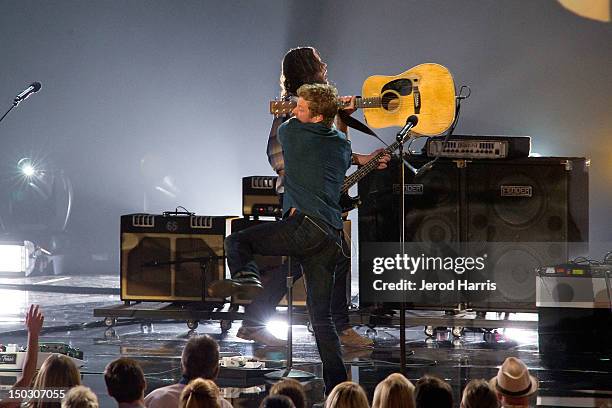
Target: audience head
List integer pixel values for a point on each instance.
(125, 380)
(277, 401)
(432, 392)
(57, 371)
(200, 358)
(479, 394)
(395, 391)
(292, 389)
(200, 393)
(347, 395)
(513, 383)
(80, 397)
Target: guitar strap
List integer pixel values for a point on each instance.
(355, 123)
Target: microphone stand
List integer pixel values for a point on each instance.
(401, 139)
(15, 103)
(289, 371)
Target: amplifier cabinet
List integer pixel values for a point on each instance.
(259, 197)
(522, 213)
(163, 257)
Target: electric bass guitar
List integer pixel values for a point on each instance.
(348, 203)
(427, 90)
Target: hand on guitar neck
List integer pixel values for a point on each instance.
(347, 104)
(362, 159)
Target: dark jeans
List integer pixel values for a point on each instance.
(314, 245)
(259, 311)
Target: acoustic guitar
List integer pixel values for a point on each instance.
(426, 90)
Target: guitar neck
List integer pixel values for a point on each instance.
(351, 180)
(372, 102)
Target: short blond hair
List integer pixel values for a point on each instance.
(322, 100)
(80, 397)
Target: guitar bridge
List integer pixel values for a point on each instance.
(417, 99)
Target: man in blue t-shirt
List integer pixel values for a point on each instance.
(317, 156)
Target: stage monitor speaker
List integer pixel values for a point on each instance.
(269, 266)
(522, 213)
(163, 257)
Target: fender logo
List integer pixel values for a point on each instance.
(516, 191)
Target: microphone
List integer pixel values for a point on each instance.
(33, 88)
(410, 123)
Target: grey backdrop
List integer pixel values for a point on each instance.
(135, 91)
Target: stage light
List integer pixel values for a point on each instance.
(27, 167)
(278, 328)
(16, 257)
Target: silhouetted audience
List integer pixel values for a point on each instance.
(479, 394)
(80, 397)
(433, 392)
(277, 401)
(513, 384)
(347, 395)
(125, 382)
(200, 393)
(200, 359)
(395, 391)
(292, 389)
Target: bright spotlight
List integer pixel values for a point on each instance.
(16, 257)
(28, 170)
(27, 167)
(278, 328)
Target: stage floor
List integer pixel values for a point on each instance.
(577, 380)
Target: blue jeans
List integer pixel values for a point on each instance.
(259, 311)
(314, 245)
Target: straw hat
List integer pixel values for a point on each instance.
(513, 379)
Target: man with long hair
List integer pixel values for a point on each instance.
(302, 65)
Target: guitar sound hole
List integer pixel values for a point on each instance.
(390, 101)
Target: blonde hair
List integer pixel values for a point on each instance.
(200, 393)
(395, 391)
(80, 397)
(347, 395)
(57, 371)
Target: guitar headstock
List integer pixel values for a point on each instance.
(278, 108)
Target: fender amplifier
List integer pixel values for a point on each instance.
(163, 257)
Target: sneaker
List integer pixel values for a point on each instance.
(248, 288)
(261, 336)
(350, 338)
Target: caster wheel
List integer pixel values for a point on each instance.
(429, 331)
(458, 331)
(225, 325)
(146, 328)
(193, 324)
(110, 321)
(371, 333)
(110, 333)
